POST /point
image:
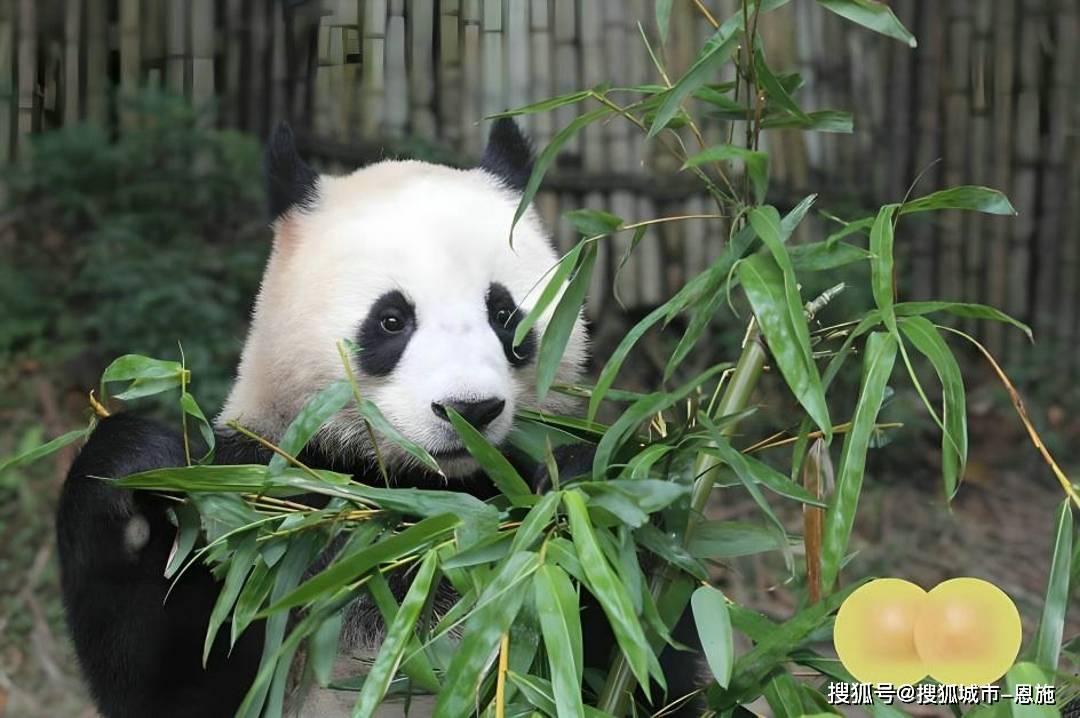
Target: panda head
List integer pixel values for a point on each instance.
(412, 262)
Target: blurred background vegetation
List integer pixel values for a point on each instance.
(132, 220)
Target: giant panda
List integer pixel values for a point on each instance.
(410, 260)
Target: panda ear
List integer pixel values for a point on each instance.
(290, 182)
(509, 154)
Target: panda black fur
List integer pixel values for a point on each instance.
(412, 261)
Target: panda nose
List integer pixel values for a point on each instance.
(478, 413)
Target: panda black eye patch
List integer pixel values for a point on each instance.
(385, 333)
(504, 317)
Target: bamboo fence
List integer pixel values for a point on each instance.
(991, 96)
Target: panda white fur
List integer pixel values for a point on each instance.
(410, 260)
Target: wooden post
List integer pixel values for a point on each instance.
(130, 61)
(27, 72)
(420, 26)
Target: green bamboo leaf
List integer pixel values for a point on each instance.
(714, 293)
(774, 90)
(188, 525)
(547, 105)
(690, 292)
(777, 642)
(783, 696)
(535, 522)
(296, 561)
(251, 598)
(206, 431)
(547, 156)
(873, 15)
(714, 54)
(639, 412)
(609, 591)
(717, 540)
(147, 376)
(38, 452)
(821, 256)
(550, 292)
(1028, 674)
(745, 473)
(663, 17)
(663, 545)
(788, 340)
(397, 639)
(593, 222)
(1047, 648)
(240, 565)
(315, 412)
(756, 163)
(714, 629)
(954, 440)
(969, 197)
(961, 309)
(323, 648)
(795, 217)
(497, 606)
(375, 418)
(877, 366)
(501, 472)
(566, 314)
(881, 264)
(821, 121)
(557, 605)
(765, 475)
(350, 568)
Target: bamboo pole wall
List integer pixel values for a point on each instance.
(991, 96)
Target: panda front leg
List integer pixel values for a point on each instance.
(140, 654)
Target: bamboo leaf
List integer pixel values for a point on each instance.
(821, 121)
(547, 156)
(609, 591)
(323, 648)
(593, 222)
(557, 605)
(663, 17)
(547, 105)
(397, 639)
(639, 412)
(350, 568)
(1047, 648)
(240, 565)
(728, 539)
(961, 309)
(714, 629)
(38, 452)
(374, 416)
(312, 416)
(877, 367)
(774, 90)
(954, 440)
(969, 197)
(501, 472)
(497, 606)
(873, 15)
(766, 288)
(550, 292)
(756, 163)
(881, 264)
(566, 314)
(714, 54)
(1028, 674)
